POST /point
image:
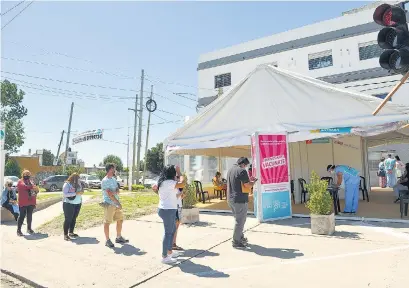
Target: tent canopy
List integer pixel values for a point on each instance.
(272, 100)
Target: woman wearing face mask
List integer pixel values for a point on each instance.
(27, 195)
(9, 199)
(72, 191)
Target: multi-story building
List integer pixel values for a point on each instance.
(341, 51)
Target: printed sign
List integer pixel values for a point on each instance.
(339, 130)
(88, 135)
(273, 158)
(318, 141)
(272, 198)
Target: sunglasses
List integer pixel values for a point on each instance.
(9, 185)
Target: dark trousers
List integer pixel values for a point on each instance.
(71, 212)
(25, 210)
(9, 207)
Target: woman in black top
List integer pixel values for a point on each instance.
(403, 183)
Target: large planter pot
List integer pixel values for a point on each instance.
(190, 216)
(323, 224)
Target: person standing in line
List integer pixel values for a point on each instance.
(27, 195)
(399, 167)
(112, 206)
(402, 183)
(72, 192)
(9, 199)
(237, 199)
(382, 173)
(390, 164)
(170, 180)
(179, 212)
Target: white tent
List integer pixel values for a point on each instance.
(270, 99)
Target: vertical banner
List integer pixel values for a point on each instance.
(272, 165)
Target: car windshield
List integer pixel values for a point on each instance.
(13, 178)
(93, 177)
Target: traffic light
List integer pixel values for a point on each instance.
(394, 38)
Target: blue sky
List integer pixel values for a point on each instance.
(164, 38)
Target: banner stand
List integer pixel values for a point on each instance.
(272, 192)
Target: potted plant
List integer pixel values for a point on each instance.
(190, 214)
(320, 206)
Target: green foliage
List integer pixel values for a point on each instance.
(69, 170)
(12, 113)
(154, 159)
(12, 168)
(114, 160)
(48, 158)
(101, 174)
(320, 202)
(190, 200)
(135, 187)
(126, 169)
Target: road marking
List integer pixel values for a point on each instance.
(384, 230)
(300, 261)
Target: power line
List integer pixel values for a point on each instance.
(70, 68)
(12, 8)
(95, 86)
(11, 20)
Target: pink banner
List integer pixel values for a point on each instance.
(253, 156)
(273, 159)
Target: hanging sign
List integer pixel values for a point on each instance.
(318, 141)
(345, 144)
(88, 135)
(273, 199)
(339, 130)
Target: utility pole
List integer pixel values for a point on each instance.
(147, 138)
(68, 138)
(58, 151)
(134, 137)
(140, 125)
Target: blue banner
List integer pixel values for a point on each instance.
(276, 205)
(339, 130)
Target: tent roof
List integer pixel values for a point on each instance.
(272, 100)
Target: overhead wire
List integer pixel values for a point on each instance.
(12, 8)
(18, 14)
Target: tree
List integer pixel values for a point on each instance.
(12, 113)
(101, 174)
(12, 168)
(154, 159)
(69, 170)
(114, 160)
(48, 158)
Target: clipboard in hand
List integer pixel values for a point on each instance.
(244, 189)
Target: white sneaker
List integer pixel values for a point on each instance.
(169, 260)
(175, 254)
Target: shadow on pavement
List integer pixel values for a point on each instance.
(199, 253)
(85, 240)
(128, 250)
(36, 236)
(346, 235)
(200, 270)
(281, 253)
(201, 224)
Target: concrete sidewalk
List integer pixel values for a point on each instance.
(282, 254)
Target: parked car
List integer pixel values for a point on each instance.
(53, 183)
(12, 178)
(151, 182)
(91, 181)
(120, 181)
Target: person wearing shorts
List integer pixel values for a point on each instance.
(112, 206)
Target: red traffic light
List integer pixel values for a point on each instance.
(396, 60)
(389, 16)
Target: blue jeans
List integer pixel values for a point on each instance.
(169, 222)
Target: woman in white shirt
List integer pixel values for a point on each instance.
(399, 167)
(168, 204)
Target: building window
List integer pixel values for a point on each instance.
(369, 50)
(382, 96)
(320, 60)
(222, 80)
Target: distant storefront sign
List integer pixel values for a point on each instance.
(338, 130)
(87, 136)
(318, 141)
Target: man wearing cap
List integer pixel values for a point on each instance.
(351, 179)
(237, 181)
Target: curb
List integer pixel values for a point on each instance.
(22, 279)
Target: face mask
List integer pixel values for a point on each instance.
(26, 177)
(332, 172)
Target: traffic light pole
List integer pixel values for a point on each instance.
(394, 90)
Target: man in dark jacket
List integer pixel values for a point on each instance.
(237, 181)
